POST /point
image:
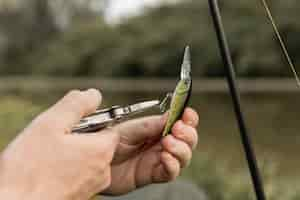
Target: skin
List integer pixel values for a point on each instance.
(46, 161)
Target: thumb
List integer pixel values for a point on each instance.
(137, 130)
(71, 108)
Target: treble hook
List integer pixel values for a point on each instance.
(164, 103)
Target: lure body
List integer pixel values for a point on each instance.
(181, 94)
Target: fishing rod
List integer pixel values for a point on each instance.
(232, 83)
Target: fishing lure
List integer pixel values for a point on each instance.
(182, 93)
(110, 116)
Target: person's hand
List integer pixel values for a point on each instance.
(143, 157)
(46, 161)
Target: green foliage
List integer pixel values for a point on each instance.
(152, 44)
(223, 183)
(14, 115)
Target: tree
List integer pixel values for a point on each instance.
(151, 44)
(28, 25)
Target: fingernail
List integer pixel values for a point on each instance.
(92, 90)
(87, 90)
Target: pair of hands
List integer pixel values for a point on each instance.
(46, 161)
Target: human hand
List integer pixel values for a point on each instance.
(143, 157)
(46, 161)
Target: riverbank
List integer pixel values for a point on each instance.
(260, 85)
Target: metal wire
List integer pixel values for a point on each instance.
(281, 42)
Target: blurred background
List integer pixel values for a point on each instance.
(131, 50)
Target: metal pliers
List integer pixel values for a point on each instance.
(108, 117)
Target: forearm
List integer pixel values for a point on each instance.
(25, 194)
(14, 194)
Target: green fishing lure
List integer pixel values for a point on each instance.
(182, 93)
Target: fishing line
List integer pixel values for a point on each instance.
(281, 42)
(232, 83)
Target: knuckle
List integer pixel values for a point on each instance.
(189, 135)
(92, 98)
(176, 127)
(74, 99)
(73, 94)
(84, 102)
(151, 124)
(146, 125)
(167, 143)
(179, 134)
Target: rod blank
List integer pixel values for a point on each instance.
(232, 83)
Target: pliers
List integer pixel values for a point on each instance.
(110, 116)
